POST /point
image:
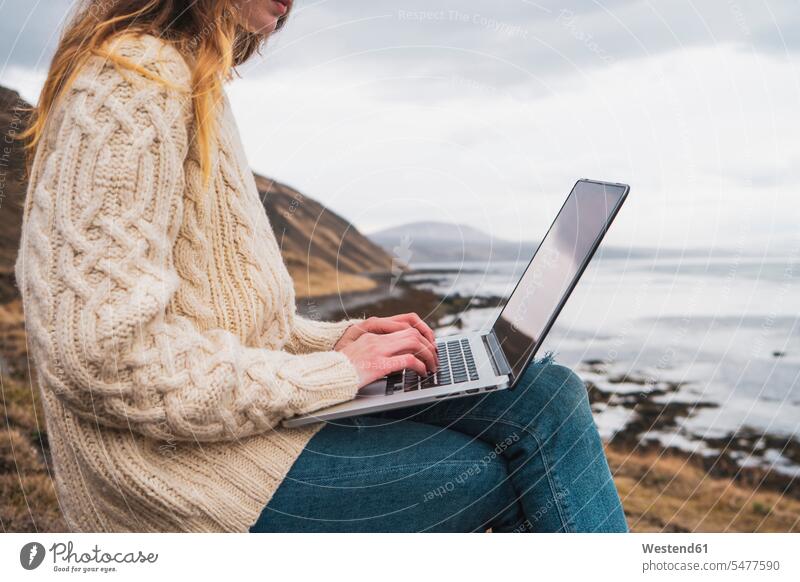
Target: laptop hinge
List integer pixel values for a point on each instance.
(496, 355)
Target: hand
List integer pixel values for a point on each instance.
(386, 325)
(376, 355)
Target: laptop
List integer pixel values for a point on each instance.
(494, 359)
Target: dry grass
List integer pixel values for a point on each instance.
(665, 492)
(27, 495)
(660, 492)
(668, 492)
(328, 282)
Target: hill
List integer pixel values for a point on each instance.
(324, 253)
(12, 187)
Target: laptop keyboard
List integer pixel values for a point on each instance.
(456, 365)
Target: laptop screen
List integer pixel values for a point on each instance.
(554, 269)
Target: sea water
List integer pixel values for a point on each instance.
(724, 329)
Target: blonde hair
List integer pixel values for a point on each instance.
(208, 30)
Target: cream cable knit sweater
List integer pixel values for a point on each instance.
(160, 314)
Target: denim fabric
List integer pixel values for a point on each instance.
(522, 460)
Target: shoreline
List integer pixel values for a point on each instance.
(663, 489)
(732, 456)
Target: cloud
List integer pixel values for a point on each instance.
(486, 112)
(501, 43)
(691, 131)
(29, 32)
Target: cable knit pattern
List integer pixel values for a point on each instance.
(161, 316)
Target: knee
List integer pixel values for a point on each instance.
(560, 395)
(487, 485)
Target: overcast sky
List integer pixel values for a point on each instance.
(486, 112)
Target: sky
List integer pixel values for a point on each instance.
(485, 112)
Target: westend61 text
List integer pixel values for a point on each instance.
(675, 549)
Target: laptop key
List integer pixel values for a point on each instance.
(428, 381)
(411, 381)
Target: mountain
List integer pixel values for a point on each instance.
(437, 242)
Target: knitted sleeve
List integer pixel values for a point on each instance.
(115, 352)
(310, 335)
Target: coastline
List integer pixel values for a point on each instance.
(663, 488)
(652, 406)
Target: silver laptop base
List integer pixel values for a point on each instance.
(374, 398)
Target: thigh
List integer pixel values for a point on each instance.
(371, 474)
(545, 431)
(548, 399)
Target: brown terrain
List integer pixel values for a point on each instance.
(325, 254)
(329, 261)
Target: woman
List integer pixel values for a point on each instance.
(163, 327)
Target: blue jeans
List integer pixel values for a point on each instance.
(522, 460)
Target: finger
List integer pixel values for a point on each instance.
(413, 334)
(355, 331)
(411, 341)
(416, 321)
(429, 345)
(384, 325)
(407, 361)
(412, 321)
(420, 353)
(429, 354)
